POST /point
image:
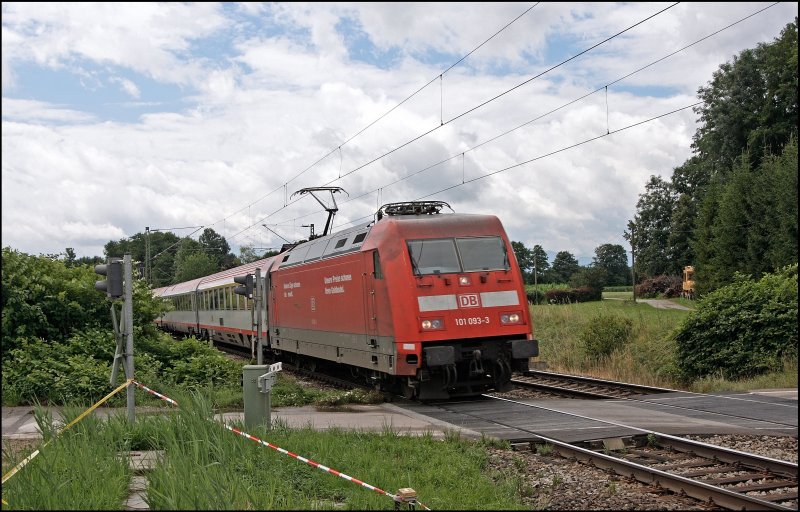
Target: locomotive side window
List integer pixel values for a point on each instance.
(485, 253)
(340, 243)
(359, 238)
(433, 256)
(376, 264)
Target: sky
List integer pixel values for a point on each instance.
(173, 116)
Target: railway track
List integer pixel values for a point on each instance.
(575, 386)
(582, 387)
(714, 475)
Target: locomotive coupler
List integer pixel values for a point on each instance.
(476, 365)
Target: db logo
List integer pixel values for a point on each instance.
(469, 300)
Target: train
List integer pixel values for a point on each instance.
(418, 301)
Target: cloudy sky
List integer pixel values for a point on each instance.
(120, 116)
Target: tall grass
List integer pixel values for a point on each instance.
(647, 358)
(207, 467)
(77, 470)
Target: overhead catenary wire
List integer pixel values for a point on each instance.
(601, 88)
(484, 103)
(379, 118)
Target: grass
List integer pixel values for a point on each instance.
(78, 470)
(206, 467)
(647, 358)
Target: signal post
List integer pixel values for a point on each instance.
(119, 284)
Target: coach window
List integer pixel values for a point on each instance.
(376, 264)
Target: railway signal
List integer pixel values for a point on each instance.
(112, 286)
(246, 285)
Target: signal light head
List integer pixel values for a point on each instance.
(247, 288)
(113, 286)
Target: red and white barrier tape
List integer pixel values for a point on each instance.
(290, 454)
(159, 395)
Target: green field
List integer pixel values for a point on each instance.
(648, 357)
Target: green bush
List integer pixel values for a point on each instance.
(741, 330)
(574, 295)
(604, 334)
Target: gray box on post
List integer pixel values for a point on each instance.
(257, 382)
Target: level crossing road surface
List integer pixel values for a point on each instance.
(754, 413)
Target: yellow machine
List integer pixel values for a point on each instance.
(688, 282)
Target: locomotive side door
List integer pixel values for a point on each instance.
(375, 298)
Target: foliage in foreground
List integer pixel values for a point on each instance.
(206, 467)
(742, 330)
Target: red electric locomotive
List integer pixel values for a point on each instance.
(418, 301)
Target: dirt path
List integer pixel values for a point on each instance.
(663, 304)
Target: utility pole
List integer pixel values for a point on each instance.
(147, 254)
(259, 299)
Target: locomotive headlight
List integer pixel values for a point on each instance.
(510, 318)
(464, 281)
(432, 324)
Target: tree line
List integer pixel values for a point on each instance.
(609, 267)
(172, 259)
(732, 206)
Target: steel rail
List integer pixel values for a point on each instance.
(640, 390)
(696, 489)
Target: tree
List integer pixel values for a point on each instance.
(248, 254)
(44, 300)
(613, 259)
(564, 266)
(524, 259)
(69, 257)
(651, 226)
(216, 246)
(194, 265)
(752, 221)
(589, 277)
(162, 252)
(750, 104)
(540, 263)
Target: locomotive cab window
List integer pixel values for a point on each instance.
(484, 253)
(447, 256)
(433, 256)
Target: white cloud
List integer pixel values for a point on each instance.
(127, 86)
(286, 94)
(32, 111)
